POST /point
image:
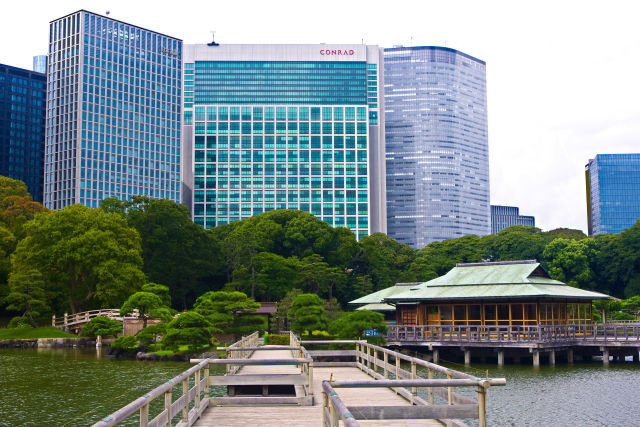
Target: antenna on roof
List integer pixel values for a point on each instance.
(108, 12)
(213, 41)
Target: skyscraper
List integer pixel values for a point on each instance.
(506, 216)
(285, 127)
(22, 106)
(40, 64)
(436, 144)
(613, 192)
(113, 112)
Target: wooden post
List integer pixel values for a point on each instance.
(482, 404)
(66, 319)
(436, 355)
(185, 393)
(53, 320)
(167, 407)
(385, 361)
(500, 357)
(605, 356)
(375, 360)
(414, 390)
(144, 415)
(325, 404)
(310, 375)
(335, 420)
(552, 357)
(536, 358)
(206, 387)
(397, 367)
(357, 353)
(368, 357)
(467, 357)
(198, 390)
(449, 392)
(430, 389)
(570, 356)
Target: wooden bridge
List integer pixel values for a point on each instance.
(74, 322)
(286, 385)
(617, 339)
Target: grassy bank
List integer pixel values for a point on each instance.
(31, 333)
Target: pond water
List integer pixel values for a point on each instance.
(77, 387)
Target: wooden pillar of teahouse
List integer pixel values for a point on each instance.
(435, 355)
(467, 356)
(605, 356)
(536, 358)
(500, 357)
(552, 357)
(570, 356)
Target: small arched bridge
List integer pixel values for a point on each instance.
(75, 322)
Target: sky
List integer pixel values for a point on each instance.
(563, 77)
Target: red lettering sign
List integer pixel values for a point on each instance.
(349, 52)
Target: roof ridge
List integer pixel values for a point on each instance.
(479, 264)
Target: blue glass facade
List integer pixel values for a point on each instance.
(113, 112)
(22, 115)
(292, 134)
(437, 157)
(40, 64)
(506, 216)
(613, 192)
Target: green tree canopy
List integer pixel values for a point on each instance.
(307, 312)
(12, 187)
(103, 326)
(26, 294)
(83, 254)
(160, 290)
(191, 329)
(147, 304)
(227, 311)
(354, 325)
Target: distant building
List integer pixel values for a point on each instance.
(113, 112)
(22, 124)
(285, 127)
(437, 150)
(506, 216)
(40, 64)
(613, 192)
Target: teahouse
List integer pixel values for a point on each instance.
(488, 293)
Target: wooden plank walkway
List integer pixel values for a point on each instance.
(294, 415)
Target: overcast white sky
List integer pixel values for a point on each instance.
(563, 77)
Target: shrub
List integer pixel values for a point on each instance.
(277, 339)
(125, 343)
(20, 322)
(103, 326)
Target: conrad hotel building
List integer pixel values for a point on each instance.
(284, 127)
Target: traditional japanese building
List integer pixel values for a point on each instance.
(490, 293)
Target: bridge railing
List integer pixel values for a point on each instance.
(240, 350)
(375, 361)
(83, 317)
(190, 397)
(607, 332)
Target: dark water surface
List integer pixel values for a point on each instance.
(77, 387)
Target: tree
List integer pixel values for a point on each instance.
(518, 242)
(85, 255)
(177, 252)
(354, 325)
(147, 304)
(308, 314)
(190, 329)
(160, 290)
(103, 326)
(16, 211)
(12, 187)
(569, 261)
(228, 311)
(26, 294)
(276, 275)
(151, 334)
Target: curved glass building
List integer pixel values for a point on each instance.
(437, 151)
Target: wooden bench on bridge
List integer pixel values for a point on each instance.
(259, 381)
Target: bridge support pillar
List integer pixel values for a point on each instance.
(500, 357)
(636, 355)
(570, 356)
(552, 358)
(536, 358)
(436, 356)
(467, 357)
(605, 356)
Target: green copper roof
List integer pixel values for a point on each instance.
(377, 297)
(502, 280)
(377, 307)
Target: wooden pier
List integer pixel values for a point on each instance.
(284, 385)
(616, 340)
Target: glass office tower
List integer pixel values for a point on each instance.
(437, 151)
(40, 64)
(22, 106)
(613, 192)
(113, 112)
(285, 127)
(506, 216)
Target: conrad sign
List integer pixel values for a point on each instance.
(346, 52)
